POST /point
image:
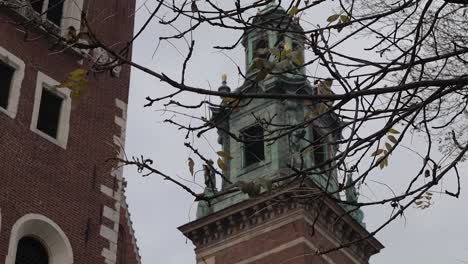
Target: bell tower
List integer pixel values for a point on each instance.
(265, 141)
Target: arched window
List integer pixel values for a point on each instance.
(36, 239)
(31, 251)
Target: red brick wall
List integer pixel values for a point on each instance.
(37, 176)
(272, 247)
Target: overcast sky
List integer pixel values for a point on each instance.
(432, 236)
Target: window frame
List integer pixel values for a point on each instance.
(47, 231)
(45, 82)
(244, 148)
(15, 85)
(315, 136)
(71, 15)
(45, 10)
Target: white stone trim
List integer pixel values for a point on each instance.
(15, 88)
(53, 237)
(109, 234)
(110, 213)
(113, 214)
(45, 82)
(72, 15)
(107, 191)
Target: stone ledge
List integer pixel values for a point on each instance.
(243, 217)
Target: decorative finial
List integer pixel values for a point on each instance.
(224, 78)
(224, 87)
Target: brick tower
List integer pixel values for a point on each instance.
(61, 200)
(256, 225)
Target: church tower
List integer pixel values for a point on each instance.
(261, 224)
(61, 200)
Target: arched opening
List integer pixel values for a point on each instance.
(31, 251)
(33, 234)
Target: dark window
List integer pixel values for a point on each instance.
(37, 5)
(31, 251)
(52, 8)
(320, 148)
(254, 149)
(296, 45)
(260, 46)
(281, 40)
(6, 75)
(49, 113)
(55, 11)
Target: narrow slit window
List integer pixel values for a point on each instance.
(6, 77)
(260, 48)
(254, 148)
(55, 11)
(320, 149)
(49, 113)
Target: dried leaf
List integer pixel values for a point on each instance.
(191, 164)
(221, 165)
(377, 152)
(293, 11)
(380, 162)
(77, 82)
(332, 18)
(249, 188)
(267, 184)
(388, 146)
(392, 139)
(223, 154)
(345, 19)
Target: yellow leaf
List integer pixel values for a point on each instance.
(223, 154)
(393, 131)
(418, 202)
(191, 163)
(392, 139)
(293, 11)
(229, 100)
(77, 82)
(221, 165)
